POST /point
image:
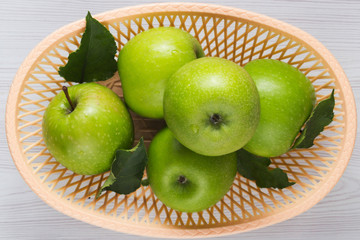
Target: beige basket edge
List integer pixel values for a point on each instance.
(72, 210)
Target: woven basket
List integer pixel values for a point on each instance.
(235, 34)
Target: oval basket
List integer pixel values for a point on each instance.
(235, 34)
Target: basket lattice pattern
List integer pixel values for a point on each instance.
(234, 38)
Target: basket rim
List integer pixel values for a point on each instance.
(101, 220)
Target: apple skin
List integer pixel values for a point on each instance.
(85, 139)
(287, 98)
(205, 87)
(208, 179)
(148, 60)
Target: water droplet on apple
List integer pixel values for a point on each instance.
(174, 52)
(194, 128)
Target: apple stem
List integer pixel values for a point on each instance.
(182, 179)
(64, 88)
(215, 119)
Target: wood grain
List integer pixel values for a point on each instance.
(24, 23)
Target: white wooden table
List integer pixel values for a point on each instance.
(24, 23)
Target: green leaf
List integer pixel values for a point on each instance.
(94, 60)
(256, 168)
(320, 117)
(127, 170)
(145, 182)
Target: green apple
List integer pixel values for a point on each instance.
(212, 106)
(184, 180)
(148, 60)
(84, 138)
(287, 98)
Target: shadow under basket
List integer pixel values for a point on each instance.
(230, 33)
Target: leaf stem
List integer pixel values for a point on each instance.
(64, 88)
